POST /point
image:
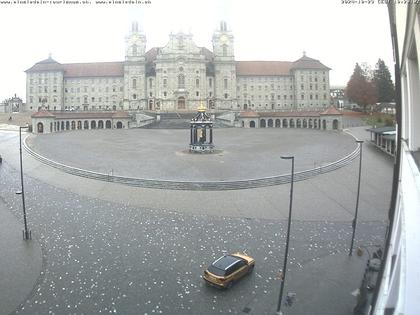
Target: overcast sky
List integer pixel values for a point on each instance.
(338, 35)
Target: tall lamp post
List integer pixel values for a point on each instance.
(26, 234)
(354, 222)
(283, 275)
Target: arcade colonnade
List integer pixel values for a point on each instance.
(48, 122)
(328, 120)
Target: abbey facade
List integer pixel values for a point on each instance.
(179, 77)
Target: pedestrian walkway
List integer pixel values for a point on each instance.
(20, 262)
(318, 285)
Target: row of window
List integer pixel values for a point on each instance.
(85, 89)
(302, 78)
(42, 89)
(93, 80)
(42, 100)
(42, 80)
(272, 96)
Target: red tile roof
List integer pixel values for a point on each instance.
(249, 114)
(81, 115)
(42, 114)
(263, 67)
(95, 69)
(331, 111)
(72, 70)
(308, 63)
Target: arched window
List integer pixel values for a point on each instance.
(270, 123)
(134, 83)
(134, 49)
(285, 124)
(262, 123)
(225, 83)
(181, 81)
(252, 124)
(86, 124)
(197, 82)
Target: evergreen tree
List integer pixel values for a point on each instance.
(360, 89)
(384, 86)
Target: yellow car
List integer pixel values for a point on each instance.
(227, 269)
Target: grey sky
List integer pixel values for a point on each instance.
(338, 35)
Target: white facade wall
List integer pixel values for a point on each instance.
(44, 88)
(266, 92)
(93, 93)
(398, 290)
(312, 89)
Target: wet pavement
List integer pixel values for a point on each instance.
(118, 256)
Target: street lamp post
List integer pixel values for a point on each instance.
(354, 222)
(283, 274)
(26, 233)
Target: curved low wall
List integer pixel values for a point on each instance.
(198, 185)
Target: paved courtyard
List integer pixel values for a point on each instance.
(163, 153)
(108, 248)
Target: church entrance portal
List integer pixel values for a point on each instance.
(181, 102)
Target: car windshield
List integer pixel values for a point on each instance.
(216, 271)
(220, 266)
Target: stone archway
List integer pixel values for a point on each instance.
(270, 123)
(252, 124)
(278, 123)
(108, 124)
(119, 125)
(292, 123)
(40, 127)
(93, 124)
(101, 124)
(285, 124)
(335, 124)
(324, 124)
(262, 123)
